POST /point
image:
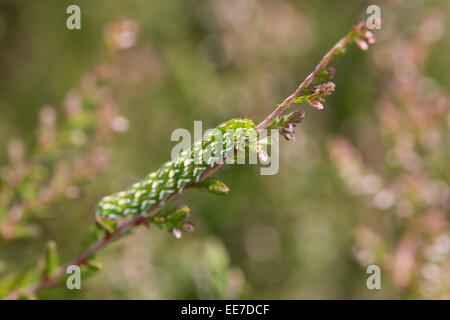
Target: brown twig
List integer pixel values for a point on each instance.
(47, 282)
(308, 80)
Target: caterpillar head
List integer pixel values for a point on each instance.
(235, 123)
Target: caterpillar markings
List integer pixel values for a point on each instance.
(173, 176)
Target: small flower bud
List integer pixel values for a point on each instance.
(176, 233)
(288, 127)
(316, 104)
(325, 88)
(189, 227)
(290, 136)
(263, 157)
(362, 44)
(368, 36)
(331, 71)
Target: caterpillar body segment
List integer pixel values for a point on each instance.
(173, 176)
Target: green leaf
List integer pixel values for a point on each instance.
(214, 186)
(106, 224)
(94, 263)
(91, 265)
(93, 236)
(51, 258)
(178, 213)
(173, 219)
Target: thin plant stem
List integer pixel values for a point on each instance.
(53, 279)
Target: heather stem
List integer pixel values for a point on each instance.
(356, 34)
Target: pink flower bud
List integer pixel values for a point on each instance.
(368, 36)
(263, 156)
(362, 44)
(316, 104)
(176, 233)
(290, 136)
(331, 71)
(189, 227)
(288, 127)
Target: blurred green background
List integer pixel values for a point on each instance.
(286, 236)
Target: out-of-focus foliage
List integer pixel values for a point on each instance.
(408, 232)
(366, 181)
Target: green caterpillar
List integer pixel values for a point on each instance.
(173, 176)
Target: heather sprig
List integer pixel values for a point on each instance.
(286, 123)
(312, 90)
